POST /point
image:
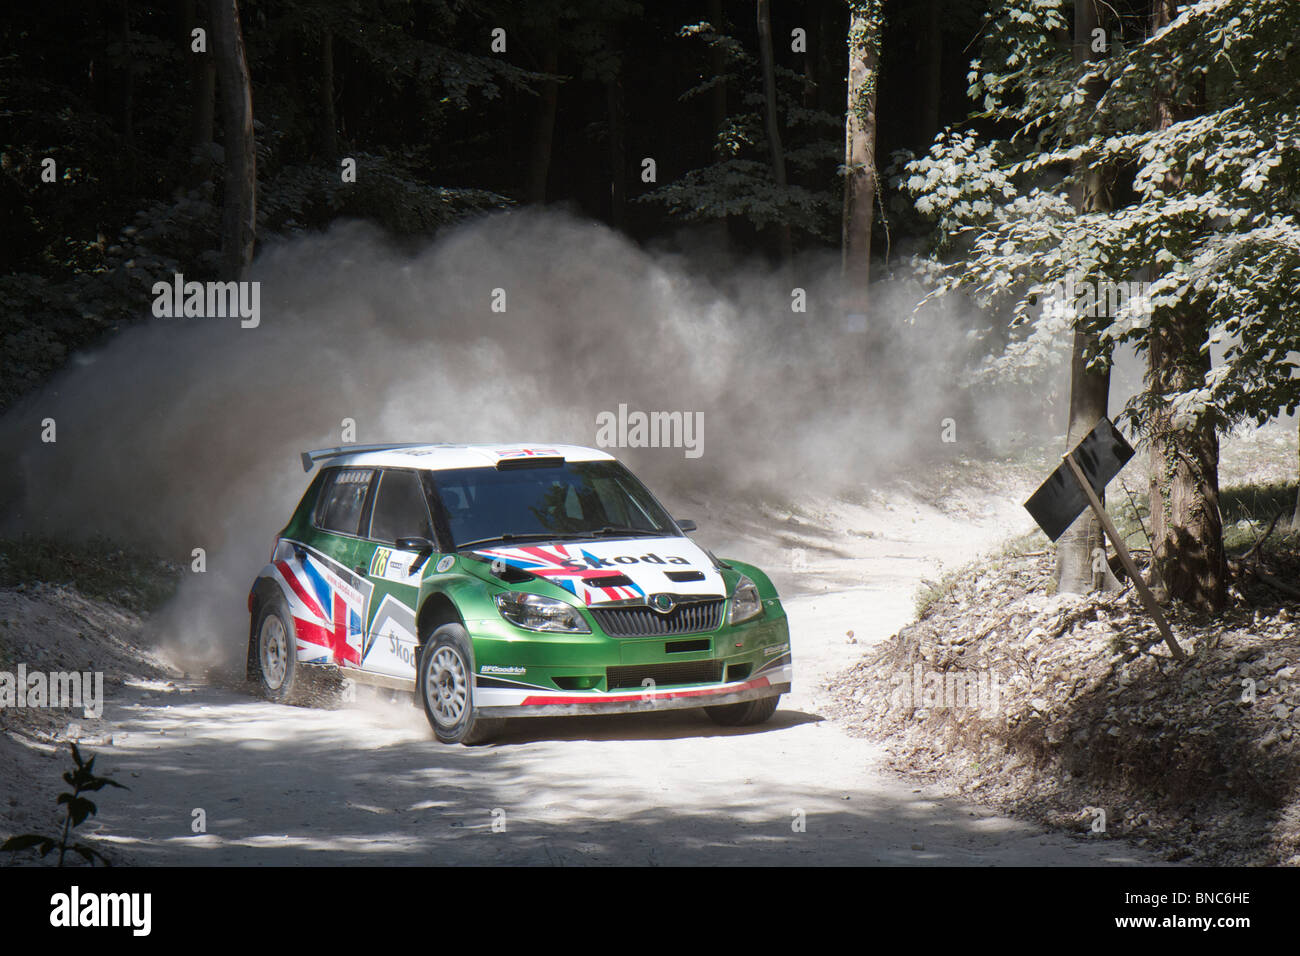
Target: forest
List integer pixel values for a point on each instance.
(1030, 156)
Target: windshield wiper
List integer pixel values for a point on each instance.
(610, 529)
(504, 538)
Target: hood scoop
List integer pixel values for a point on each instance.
(682, 576)
(608, 581)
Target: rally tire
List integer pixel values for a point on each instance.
(744, 714)
(275, 653)
(444, 686)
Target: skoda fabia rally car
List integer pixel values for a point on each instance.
(509, 581)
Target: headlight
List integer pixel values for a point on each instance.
(745, 602)
(537, 613)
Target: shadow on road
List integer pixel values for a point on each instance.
(281, 785)
(670, 725)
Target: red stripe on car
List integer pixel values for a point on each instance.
(662, 695)
(299, 590)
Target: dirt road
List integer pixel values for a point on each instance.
(365, 784)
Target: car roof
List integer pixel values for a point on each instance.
(443, 456)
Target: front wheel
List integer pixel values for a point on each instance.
(444, 684)
(744, 714)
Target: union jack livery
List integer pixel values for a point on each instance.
(499, 581)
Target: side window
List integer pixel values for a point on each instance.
(342, 501)
(400, 509)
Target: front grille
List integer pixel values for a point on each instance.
(693, 618)
(677, 672)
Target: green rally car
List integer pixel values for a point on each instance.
(499, 581)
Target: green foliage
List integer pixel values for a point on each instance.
(98, 568)
(745, 188)
(107, 96)
(1205, 209)
(81, 779)
(739, 182)
(1249, 510)
(388, 191)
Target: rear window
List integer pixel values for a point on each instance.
(343, 499)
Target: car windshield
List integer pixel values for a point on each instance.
(485, 506)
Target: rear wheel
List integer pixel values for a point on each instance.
(745, 713)
(444, 685)
(278, 673)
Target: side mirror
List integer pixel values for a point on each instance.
(423, 546)
(686, 524)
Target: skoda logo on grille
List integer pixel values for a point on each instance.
(663, 603)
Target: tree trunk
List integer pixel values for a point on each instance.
(1186, 526)
(616, 113)
(327, 134)
(239, 216)
(932, 57)
(860, 149)
(203, 92)
(718, 66)
(813, 44)
(1295, 518)
(764, 11)
(1089, 390)
(126, 94)
(544, 127)
(617, 152)
(718, 107)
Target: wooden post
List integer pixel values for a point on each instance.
(1144, 592)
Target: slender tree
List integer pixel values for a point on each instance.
(203, 87)
(544, 122)
(327, 129)
(865, 23)
(1186, 526)
(1295, 517)
(932, 57)
(239, 217)
(764, 14)
(1089, 384)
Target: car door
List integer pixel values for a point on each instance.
(400, 510)
(328, 564)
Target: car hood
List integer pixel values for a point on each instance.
(610, 571)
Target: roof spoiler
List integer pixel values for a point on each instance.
(544, 461)
(309, 458)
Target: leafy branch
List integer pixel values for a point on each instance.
(78, 809)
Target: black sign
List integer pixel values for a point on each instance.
(1059, 500)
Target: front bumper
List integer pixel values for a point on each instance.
(522, 701)
(527, 674)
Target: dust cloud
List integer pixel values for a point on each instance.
(185, 433)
